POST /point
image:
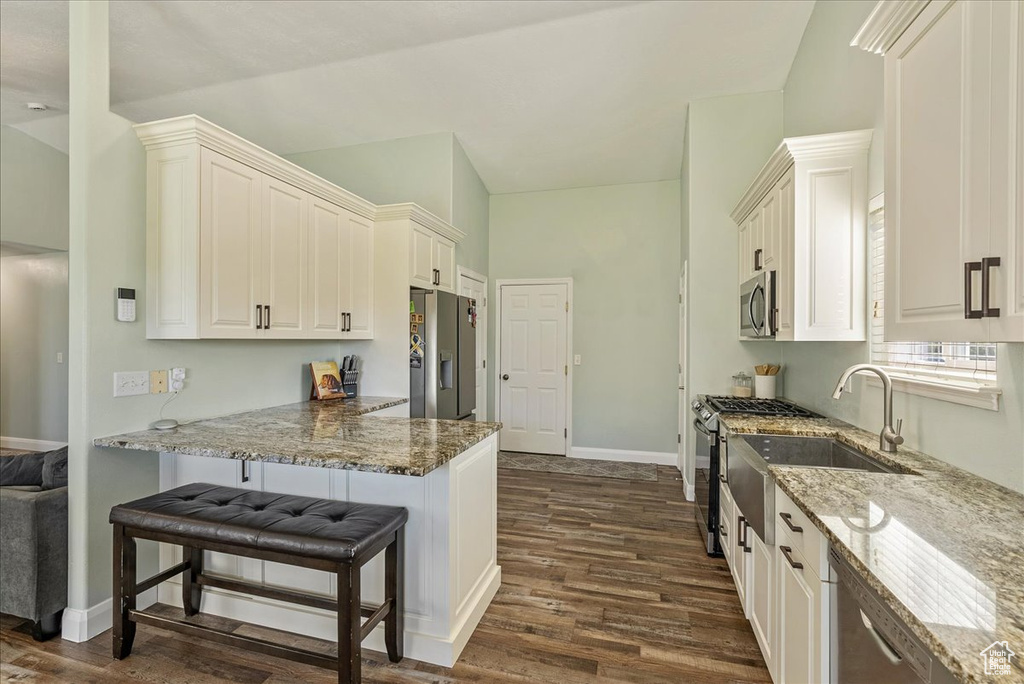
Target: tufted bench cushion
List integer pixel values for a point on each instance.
(300, 525)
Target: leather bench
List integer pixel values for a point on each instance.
(336, 536)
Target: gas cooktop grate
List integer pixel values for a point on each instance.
(759, 407)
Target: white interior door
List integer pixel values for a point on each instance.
(475, 286)
(534, 367)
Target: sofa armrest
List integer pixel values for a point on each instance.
(33, 552)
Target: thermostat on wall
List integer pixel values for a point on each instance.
(126, 304)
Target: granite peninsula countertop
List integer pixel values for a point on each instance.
(322, 434)
(943, 548)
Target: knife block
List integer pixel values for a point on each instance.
(349, 382)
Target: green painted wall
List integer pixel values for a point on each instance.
(33, 191)
(620, 244)
(416, 169)
(833, 87)
(470, 211)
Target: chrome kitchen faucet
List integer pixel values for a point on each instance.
(889, 438)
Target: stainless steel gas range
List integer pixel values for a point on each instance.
(711, 452)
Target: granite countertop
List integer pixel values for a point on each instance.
(943, 547)
(322, 434)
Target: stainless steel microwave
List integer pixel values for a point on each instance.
(757, 307)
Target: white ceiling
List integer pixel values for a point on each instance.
(542, 95)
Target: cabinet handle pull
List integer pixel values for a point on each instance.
(348, 322)
(245, 471)
(786, 550)
(757, 259)
(986, 289)
(722, 477)
(971, 267)
(259, 317)
(267, 324)
(742, 541)
(721, 531)
(788, 519)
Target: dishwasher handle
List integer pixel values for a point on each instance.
(887, 649)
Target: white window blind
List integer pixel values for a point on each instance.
(936, 360)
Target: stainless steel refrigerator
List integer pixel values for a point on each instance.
(442, 356)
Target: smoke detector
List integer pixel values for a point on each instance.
(36, 106)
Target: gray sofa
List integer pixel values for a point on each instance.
(34, 539)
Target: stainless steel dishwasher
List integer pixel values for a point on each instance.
(869, 642)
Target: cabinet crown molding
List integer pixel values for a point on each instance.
(191, 128)
(792, 150)
(414, 212)
(886, 23)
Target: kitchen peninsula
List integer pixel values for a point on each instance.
(443, 472)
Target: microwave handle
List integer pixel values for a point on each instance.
(759, 330)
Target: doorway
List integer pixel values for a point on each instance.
(472, 284)
(683, 456)
(534, 381)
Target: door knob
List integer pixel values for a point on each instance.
(505, 376)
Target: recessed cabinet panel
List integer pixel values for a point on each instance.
(360, 265)
(421, 257)
(285, 212)
(784, 259)
(231, 239)
(444, 262)
(328, 234)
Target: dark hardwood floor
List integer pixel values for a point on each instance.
(603, 580)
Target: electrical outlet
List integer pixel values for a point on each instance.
(177, 379)
(157, 382)
(577, 360)
(130, 383)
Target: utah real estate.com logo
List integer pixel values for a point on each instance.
(997, 658)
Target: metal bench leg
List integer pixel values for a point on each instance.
(394, 591)
(191, 590)
(124, 592)
(349, 624)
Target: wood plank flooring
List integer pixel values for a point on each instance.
(603, 581)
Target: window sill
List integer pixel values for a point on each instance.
(962, 392)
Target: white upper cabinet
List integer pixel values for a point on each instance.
(954, 169)
(805, 218)
(243, 244)
(231, 253)
(431, 259)
(285, 212)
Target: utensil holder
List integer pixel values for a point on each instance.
(764, 386)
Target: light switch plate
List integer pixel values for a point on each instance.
(130, 383)
(157, 382)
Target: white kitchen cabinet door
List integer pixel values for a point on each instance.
(938, 117)
(444, 262)
(285, 255)
(746, 258)
(1007, 173)
(328, 236)
(421, 257)
(740, 557)
(231, 243)
(360, 282)
(726, 530)
(760, 600)
(798, 638)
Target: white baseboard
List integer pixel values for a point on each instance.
(83, 625)
(668, 458)
(29, 444)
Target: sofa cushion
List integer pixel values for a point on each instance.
(55, 468)
(21, 469)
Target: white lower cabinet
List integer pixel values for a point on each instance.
(783, 588)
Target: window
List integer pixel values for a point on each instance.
(946, 368)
